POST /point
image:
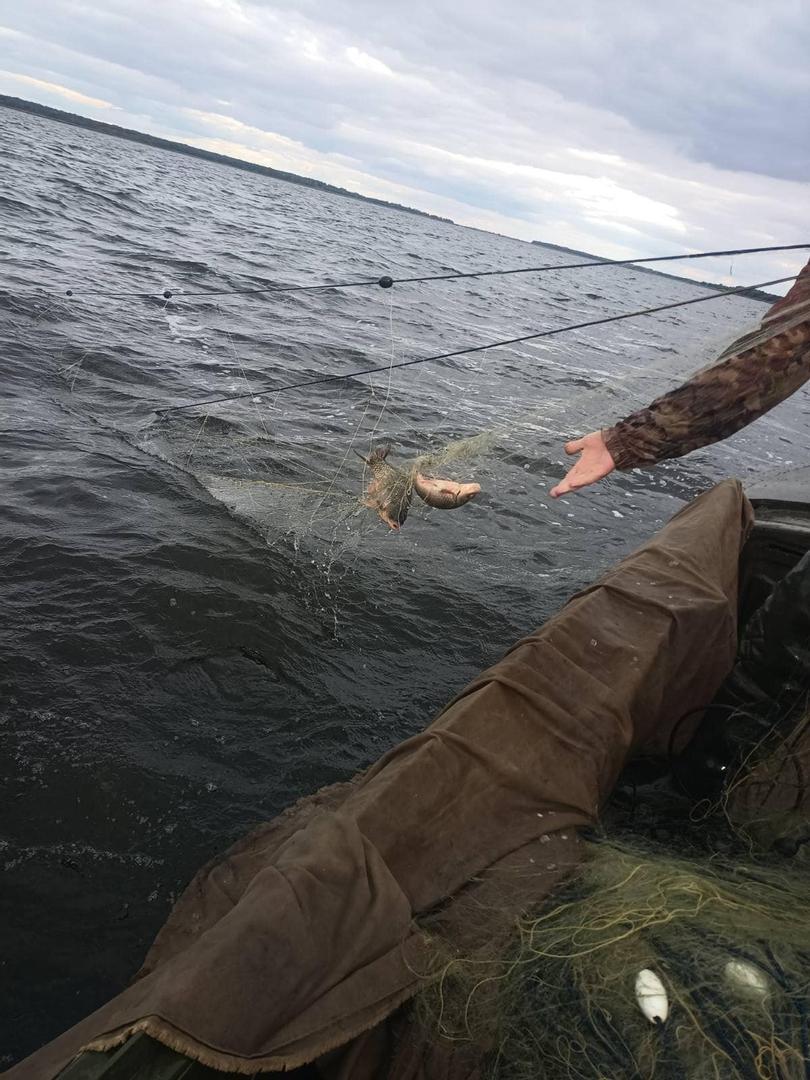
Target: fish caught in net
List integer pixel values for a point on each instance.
(391, 488)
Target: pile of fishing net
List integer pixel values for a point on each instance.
(678, 945)
(678, 948)
(725, 941)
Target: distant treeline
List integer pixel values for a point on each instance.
(754, 294)
(277, 174)
(195, 151)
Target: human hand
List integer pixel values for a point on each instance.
(594, 463)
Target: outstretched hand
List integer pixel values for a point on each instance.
(595, 462)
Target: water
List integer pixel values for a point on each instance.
(191, 640)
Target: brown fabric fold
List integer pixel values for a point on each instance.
(305, 935)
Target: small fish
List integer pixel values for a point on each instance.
(443, 494)
(390, 490)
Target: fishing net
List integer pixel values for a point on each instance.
(726, 939)
(714, 912)
(754, 741)
(767, 800)
(289, 463)
(709, 896)
(215, 288)
(295, 466)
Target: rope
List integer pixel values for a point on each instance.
(387, 282)
(475, 348)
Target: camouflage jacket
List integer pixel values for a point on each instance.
(754, 374)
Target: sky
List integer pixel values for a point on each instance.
(620, 127)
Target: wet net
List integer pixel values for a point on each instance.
(716, 912)
(294, 464)
(726, 940)
(704, 889)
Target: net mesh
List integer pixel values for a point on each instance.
(716, 912)
(287, 464)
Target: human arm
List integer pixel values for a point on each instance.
(755, 374)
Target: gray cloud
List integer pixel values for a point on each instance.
(729, 81)
(619, 127)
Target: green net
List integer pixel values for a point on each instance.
(727, 941)
(716, 912)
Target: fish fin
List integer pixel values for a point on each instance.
(379, 453)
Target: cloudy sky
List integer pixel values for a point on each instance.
(616, 126)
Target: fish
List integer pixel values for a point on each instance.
(443, 494)
(391, 489)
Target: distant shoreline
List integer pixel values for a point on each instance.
(75, 120)
(754, 294)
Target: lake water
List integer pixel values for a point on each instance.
(200, 622)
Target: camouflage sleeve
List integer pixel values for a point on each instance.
(750, 378)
